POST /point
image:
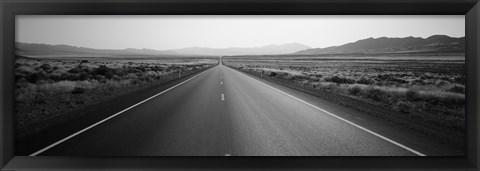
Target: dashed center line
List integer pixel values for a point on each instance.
(223, 97)
(221, 83)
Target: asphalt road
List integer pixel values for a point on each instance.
(222, 112)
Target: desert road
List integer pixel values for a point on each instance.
(223, 112)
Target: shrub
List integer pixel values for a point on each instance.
(384, 76)
(116, 78)
(57, 87)
(411, 95)
(300, 77)
(148, 78)
(399, 80)
(379, 83)
(313, 78)
(366, 81)
(354, 90)
(78, 90)
(102, 70)
(64, 76)
(460, 79)
(403, 107)
(141, 68)
(99, 77)
(131, 76)
(418, 81)
(33, 78)
(433, 100)
(457, 89)
(18, 76)
(72, 77)
(157, 68)
(288, 76)
(75, 70)
(40, 100)
(24, 71)
(272, 74)
(375, 94)
(340, 80)
(329, 87)
(136, 81)
(21, 81)
(120, 72)
(453, 99)
(54, 76)
(105, 71)
(46, 67)
(140, 73)
(441, 83)
(84, 76)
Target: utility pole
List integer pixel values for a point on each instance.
(178, 73)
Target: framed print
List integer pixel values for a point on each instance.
(239, 85)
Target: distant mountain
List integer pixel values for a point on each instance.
(32, 49)
(264, 50)
(385, 45)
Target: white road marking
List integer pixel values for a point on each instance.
(338, 117)
(110, 117)
(221, 83)
(228, 155)
(223, 97)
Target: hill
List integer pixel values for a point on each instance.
(389, 45)
(264, 50)
(32, 49)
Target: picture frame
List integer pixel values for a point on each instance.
(469, 8)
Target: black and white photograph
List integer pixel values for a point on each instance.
(240, 85)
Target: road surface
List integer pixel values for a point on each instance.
(223, 112)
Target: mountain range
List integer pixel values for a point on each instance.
(32, 49)
(437, 43)
(264, 50)
(396, 45)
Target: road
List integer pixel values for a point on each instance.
(223, 112)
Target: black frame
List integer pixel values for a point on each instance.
(10, 8)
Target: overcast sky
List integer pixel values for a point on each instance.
(171, 32)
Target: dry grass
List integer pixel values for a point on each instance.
(434, 88)
(46, 89)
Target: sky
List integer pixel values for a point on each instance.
(165, 32)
